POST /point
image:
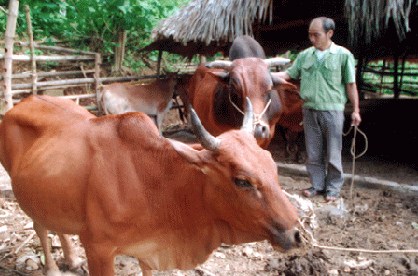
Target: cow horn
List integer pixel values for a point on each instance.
(271, 62)
(219, 64)
(208, 141)
(248, 122)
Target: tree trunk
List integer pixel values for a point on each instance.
(8, 60)
(120, 50)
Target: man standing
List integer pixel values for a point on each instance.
(327, 75)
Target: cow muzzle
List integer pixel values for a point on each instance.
(286, 240)
(261, 130)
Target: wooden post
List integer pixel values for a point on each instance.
(402, 73)
(120, 50)
(8, 57)
(396, 90)
(359, 76)
(97, 63)
(202, 59)
(160, 55)
(32, 50)
(382, 79)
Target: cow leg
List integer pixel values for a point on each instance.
(100, 256)
(70, 256)
(146, 270)
(51, 268)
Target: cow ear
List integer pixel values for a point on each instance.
(189, 154)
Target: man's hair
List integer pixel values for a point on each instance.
(327, 23)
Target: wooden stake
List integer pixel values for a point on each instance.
(8, 58)
(32, 50)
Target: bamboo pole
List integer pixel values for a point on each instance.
(97, 83)
(57, 49)
(51, 74)
(49, 58)
(54, 83)
(32, 49)
(8, 58)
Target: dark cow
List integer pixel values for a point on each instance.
(246, 46)
(127, 191)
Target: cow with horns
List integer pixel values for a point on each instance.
(125, 190)
(217, 91)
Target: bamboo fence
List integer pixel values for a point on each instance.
(65, 55)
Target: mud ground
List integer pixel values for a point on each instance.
(375, 219)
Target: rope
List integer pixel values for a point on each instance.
(308, 242)
(234, 105)
(307, 238)
(361, 250)
(256, 116)
(353, 153)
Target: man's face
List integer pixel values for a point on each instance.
(320, 39)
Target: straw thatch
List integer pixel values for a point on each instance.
(368, 18)
(209, 26)
(213, 20)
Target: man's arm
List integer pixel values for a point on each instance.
(354, 99)
(282, 75)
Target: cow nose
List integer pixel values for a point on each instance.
(261, 131)
(293, 237)
(289, 239)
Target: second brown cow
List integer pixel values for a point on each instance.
(217, 91)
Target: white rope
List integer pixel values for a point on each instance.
(308, 240)
(256, 116)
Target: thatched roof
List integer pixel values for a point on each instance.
(369, 18)
(213, 20)
(208, 26)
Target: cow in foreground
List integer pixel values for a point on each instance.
(125, 190)
(218, 90)
(153, 99)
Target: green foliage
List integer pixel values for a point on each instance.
(92, 24)
(380, 78)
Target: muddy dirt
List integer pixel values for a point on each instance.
(375, 220)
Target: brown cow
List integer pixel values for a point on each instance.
(218, 95)
(153, 99)
(290, 120)
(219, 103)
(125, 190)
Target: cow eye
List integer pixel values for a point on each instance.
(242, 183)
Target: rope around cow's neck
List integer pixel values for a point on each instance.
(256, 116)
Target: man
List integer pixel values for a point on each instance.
(327, 75)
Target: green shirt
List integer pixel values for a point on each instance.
(323, 84)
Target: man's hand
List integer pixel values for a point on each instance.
(355, 119)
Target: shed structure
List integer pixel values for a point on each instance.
(369, 29)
